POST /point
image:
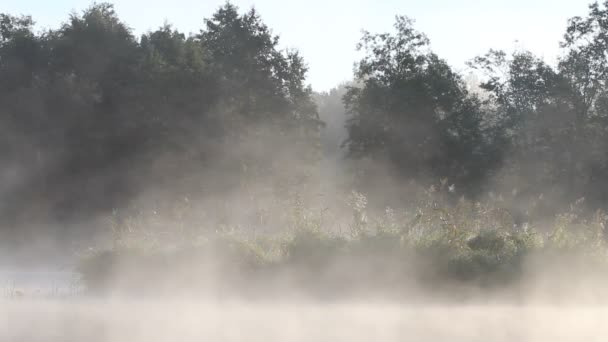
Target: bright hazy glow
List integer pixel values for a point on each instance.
(240, 321)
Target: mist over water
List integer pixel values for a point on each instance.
(191, 188)
(100, 321)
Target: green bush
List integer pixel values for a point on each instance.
(436, 244)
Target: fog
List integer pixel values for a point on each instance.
(238, 321)
(195, 187)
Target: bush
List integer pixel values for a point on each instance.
(436, 245)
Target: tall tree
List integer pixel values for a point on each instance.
(91, 114)
(412, 109)
(263, 95)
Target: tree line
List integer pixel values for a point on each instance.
(530, 128)
(91, 114)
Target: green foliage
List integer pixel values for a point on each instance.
(412, 109)
(467, 244)
(551, 121)
(532, 124)
(90, 96)
(91, 115)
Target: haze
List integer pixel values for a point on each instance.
(168, 173)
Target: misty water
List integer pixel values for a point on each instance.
(200, 320)
(48, 311)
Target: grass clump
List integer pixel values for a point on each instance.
(438, 244)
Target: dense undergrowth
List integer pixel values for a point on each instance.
(438, 246)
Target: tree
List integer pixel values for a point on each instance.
(412, 109)
(258, 80)
(553, 119)
(265, 102)
(95, 115)
(585, 66)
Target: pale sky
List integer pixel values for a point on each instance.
(326, 31)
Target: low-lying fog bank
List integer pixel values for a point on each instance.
(155, 321)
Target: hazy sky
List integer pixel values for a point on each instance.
(326, 31)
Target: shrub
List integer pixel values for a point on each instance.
(436, 243)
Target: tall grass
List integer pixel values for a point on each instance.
(439, 243)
